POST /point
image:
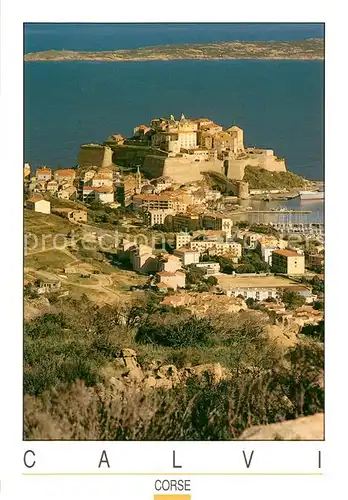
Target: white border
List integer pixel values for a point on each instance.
(13, 14)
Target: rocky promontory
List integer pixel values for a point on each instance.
(309, 49)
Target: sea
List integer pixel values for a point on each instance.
(279, 104)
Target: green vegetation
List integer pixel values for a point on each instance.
(68, 397)
(296, 49)
(251, 262)
(259, 178)
(315, 331)
(54, 260)
(293, 300)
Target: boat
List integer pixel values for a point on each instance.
(311, 195)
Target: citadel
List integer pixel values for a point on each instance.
(181, 149)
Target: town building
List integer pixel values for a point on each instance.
(162, 184)
(162, 201)
(217, 248)
(187, 255)
(104, 194)
(88, 194)
(43, 174)
(65, 174)
(142, 258)
(288, 262)
(315, 261)
(67, 193)
(89, 175)
(52, 186)
(172, 280)
(182, 239)
(266, 254)
(209, 267)
(38, 204)
(107, 172)
(184, 222)
(261, 287)
(75, 216)
(156, 217)
(170, 263)
(48, 285)
(102, 179)
(216, 222)
(26, 172)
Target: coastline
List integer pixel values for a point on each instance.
(306, 50)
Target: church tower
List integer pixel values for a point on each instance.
(138, 181)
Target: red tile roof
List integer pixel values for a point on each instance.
(35, 198)
(104, 189)
(161, 285)
(65, 171)
(287, 253)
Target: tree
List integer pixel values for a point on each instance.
(315, 331)
(170, 331)
(250, 302)
(293, 300)
(318, 305)
(212, 281)
(195, 275)
(270, 299)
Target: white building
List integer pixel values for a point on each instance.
(104, 194)
(182, 239)
(157, 217)
(38, 204)
(187, 255)
(219, 248)
(267, 254)
(210, 268)
(101, 180)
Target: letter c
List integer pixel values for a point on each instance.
(157, 488)
(25, 459)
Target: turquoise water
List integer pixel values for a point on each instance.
(112, 36)
(279, 104)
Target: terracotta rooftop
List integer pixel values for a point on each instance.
(104, 189)
(102, 175)
(161, 285)
(35, 198)
(65, 171)
(43, 169)
(167, 273)
(288, 253)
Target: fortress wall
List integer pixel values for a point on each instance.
(130, 155)
(98, 156)
(235, 169)
(182, 170)
(212, 166)
(153, 166)
(268, 162)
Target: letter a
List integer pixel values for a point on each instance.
(104, 460)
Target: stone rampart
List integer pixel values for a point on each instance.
(95, 155)
(180, 169)
(234, 168)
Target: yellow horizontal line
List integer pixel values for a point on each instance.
(172, 496)
(172, 473)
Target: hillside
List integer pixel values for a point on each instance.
(309, 49)
(56, 249)
(264, 179)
